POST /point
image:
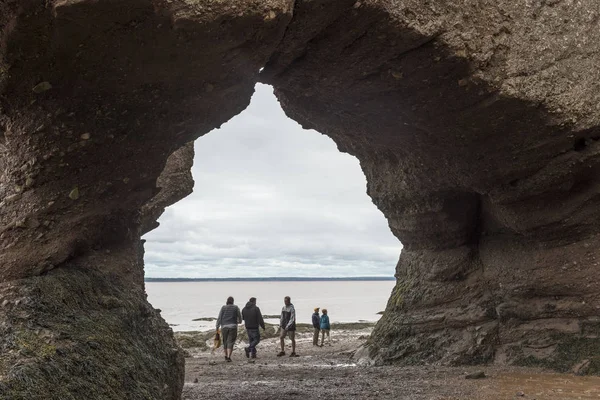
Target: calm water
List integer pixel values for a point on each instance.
(350, 301)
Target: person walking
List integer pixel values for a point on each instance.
(228, 320)
(287, 325)
(253, 319)
(325, 328)
(316, 321)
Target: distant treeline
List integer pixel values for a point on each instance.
(279, 279)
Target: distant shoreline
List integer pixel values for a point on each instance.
(274, 279)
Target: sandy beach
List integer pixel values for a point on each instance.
(330, 372)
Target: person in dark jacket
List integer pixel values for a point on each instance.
(229, 318)
(316, 321)
(253, 319)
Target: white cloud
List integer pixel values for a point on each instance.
(272, 199)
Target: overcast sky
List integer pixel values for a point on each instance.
(272, 199)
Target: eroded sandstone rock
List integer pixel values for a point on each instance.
(476, 124)
(174, 183)
(95, 95)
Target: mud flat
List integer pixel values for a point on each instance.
(330, 372)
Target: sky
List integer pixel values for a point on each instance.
(271, 199)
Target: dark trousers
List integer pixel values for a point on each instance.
(253, 339)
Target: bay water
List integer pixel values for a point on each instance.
(346, 301)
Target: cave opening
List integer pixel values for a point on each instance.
(271, 200)
(461, 118)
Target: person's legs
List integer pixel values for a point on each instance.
(253, 339)
(247, 349)
(257, 342)
(322, 337)
(225, 338)
(327, 332)
(316, 337)
(282, 342)
(292, 335)
(231, 342)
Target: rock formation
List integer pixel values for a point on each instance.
(95, 95)
(477, 126)
(475, 122)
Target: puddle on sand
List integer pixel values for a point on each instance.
(546, 386)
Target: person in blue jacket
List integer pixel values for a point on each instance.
(325, 327)
(316, 321)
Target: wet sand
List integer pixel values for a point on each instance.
(540, 385)
(330, 373)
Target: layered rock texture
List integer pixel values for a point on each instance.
(475, 122)
(95, 96)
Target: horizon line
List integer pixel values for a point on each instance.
(275, 278)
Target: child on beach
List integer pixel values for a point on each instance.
(325, 327)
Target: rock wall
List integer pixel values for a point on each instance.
(94, 97)
(174, 183)
(475, 122)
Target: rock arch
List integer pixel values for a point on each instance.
(476, 124)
